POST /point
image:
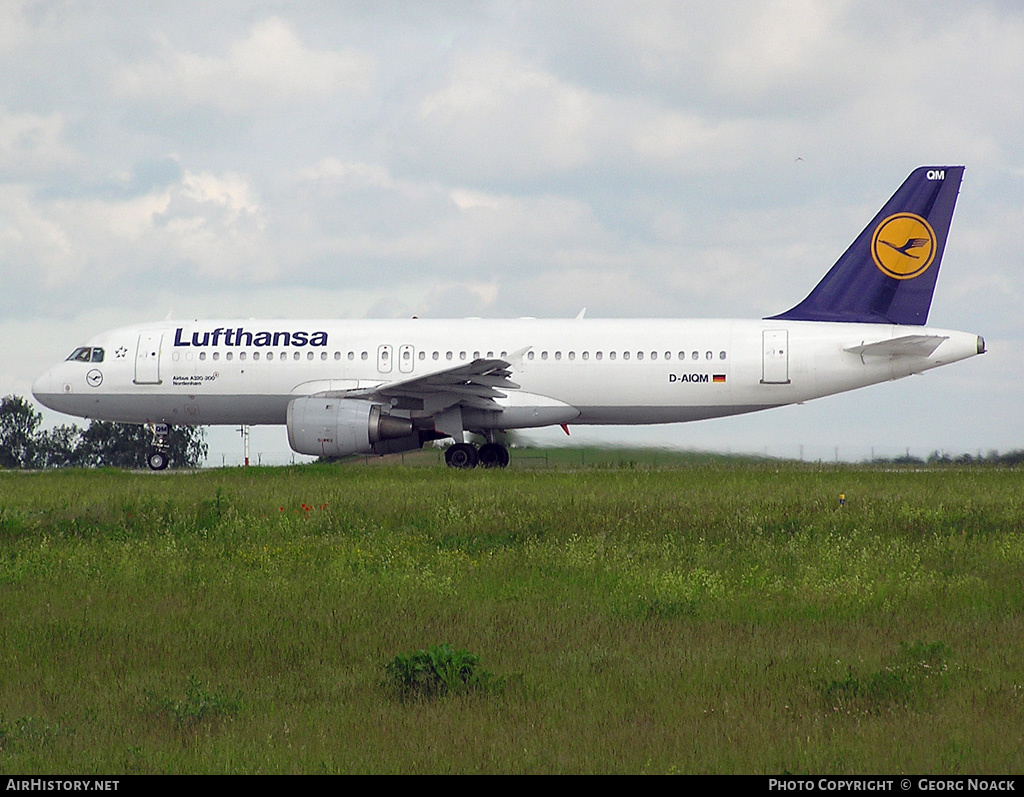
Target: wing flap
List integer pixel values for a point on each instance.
(476, 384)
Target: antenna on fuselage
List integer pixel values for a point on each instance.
(244, 431)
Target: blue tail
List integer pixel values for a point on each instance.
(888, 275)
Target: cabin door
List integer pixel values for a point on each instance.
(775, 357)
(147, 358)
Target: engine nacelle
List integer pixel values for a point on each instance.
(335, 427)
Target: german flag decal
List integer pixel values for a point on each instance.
(718, 378)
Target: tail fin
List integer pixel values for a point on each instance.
(888, 275)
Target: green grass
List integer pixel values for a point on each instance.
(719, 617)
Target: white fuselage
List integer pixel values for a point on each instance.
(580, 371)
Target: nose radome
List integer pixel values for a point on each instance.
(43, 390)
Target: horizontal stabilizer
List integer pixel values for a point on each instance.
(906, 346)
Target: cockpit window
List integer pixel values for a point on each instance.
(87, 354)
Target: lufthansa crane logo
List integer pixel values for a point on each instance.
(903, 246)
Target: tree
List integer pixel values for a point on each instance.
(19, 433)
(103, 444)
(60, 447)
(127, 445)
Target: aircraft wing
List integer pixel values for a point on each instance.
(476, 384)
(906, 346)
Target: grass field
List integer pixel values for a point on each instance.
(717, 617)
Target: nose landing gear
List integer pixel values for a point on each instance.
(157, 459)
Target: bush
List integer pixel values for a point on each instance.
(438, 671)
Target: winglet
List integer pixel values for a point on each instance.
(888, 274)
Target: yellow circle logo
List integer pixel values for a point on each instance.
(903, 246)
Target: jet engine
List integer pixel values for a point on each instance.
(334, 427)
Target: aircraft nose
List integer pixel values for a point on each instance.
(42, 389)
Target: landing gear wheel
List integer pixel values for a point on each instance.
(493, 455)
(461, 455)
(157, 460)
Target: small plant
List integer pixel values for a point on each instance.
(199, 706)
(438, 671)
(908, 680)
(28, 733)
(869, 694)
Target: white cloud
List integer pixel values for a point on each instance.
(499, 115)
(60, 251)
(270, 65)
(33, 144)
(501, 159)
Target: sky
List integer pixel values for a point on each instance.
(497, 159)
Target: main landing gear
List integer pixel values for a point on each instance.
(466, 455)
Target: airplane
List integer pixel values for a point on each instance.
(385, 386)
